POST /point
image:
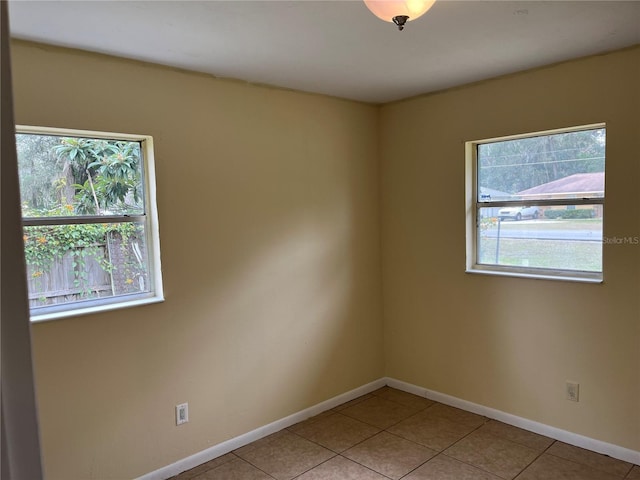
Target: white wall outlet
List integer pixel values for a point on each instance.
(182, 413)
(573, 391)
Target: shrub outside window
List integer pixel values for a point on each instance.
(535, 204)
(89, 220)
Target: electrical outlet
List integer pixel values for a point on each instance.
(182, 413)
(573, 391)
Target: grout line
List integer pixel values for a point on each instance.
(589, 466)
(535, 459)
(628, 475)
(462, 438)
(423, 463)
(365, 466)
(254, 466)
(381, 430)
(316, 466)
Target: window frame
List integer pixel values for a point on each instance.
(149, 218)
(473, 206)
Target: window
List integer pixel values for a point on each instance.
(89, 221)
(535, 204)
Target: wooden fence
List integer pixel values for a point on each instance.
(69, 280)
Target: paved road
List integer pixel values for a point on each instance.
(582, 235)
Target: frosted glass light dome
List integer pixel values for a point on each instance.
(391, 10)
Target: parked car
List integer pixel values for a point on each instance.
(518, 213)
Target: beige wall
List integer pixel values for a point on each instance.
(511, 343)
(269, 203)
(269, 219)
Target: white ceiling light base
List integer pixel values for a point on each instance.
(399, 11)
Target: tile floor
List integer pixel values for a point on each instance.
(390, 434)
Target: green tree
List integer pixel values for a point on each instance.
(36, 161)
(514, 165)
(106, 174)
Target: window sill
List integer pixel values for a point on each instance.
(562, 276)
(94, 308)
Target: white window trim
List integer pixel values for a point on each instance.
(152, 232)
(472, 208)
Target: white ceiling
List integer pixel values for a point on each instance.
(335, 47)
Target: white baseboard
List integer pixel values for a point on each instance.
(244, 439)
(575, 439)
(215, 451)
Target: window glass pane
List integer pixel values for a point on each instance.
(566, 237)
(72, 176)
(72, 263)
(559, 166)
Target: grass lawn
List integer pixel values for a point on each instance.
(563, 254)
(544, 253)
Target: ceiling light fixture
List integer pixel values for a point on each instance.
(399, 11)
